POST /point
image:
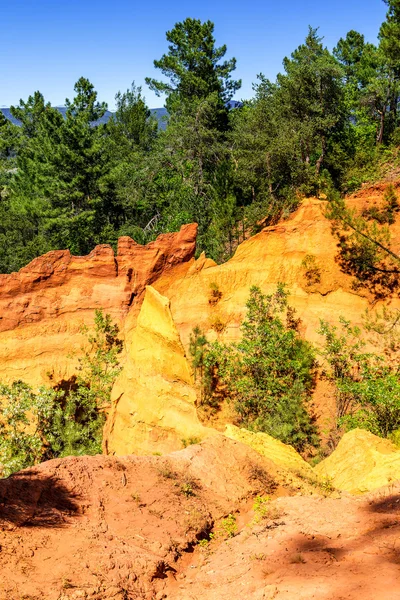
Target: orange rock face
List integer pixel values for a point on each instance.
(43, 305)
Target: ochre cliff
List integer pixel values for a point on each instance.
(43, 306)
(272, 256)
(153, 399)
(276, 255)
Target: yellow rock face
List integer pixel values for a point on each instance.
(272, 256)
(276, 254)
(279, 453)
(362, 462)
(153, 399)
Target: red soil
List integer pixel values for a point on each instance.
(127, 528)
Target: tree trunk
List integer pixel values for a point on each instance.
(322, 156)
(379, 135)
(381, 130)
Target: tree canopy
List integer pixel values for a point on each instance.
(193, 65)
(322, 126)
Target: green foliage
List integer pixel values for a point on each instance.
(268, 375)
(391, 201)
(264, 510)
(197, 349)
(290, 134)
(37, 425)
(389, 34)
(187, 490)
(25, 416)
(228, 527)
(312, 271)
(59, 197)
(215, 294)
(383, 326)
(342, 349)
(328, 123)
(209, 361)
(368, 387)
(365, 250)
(191, 441)
(271, 372)
(99, 364)
(193, 65)
(261, 508)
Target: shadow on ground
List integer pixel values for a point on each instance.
(30, 499)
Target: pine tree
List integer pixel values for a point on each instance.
(61, 166)
(310, 97)
(193, 65)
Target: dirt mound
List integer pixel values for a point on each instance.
(187, 527)
(104, 527)
(308, 548)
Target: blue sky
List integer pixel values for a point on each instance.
(47, 45)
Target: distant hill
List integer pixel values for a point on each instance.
(159, 113)
(6, 112)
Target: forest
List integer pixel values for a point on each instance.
(327, 124)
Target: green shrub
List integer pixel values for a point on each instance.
(197, 349)
(215, 294)
(38, 425)
(190, 441)
(269, 374)
(387, 213)
(99, 363)
(367, 386)
(228, 527)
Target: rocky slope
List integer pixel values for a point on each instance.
(110, 527)
(127, 528)
(275, 255)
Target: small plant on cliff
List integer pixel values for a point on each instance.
(206, 361)
(190, 441)
(387, 213)
(99, 364)
(37, 425)
(227, 527)
(197, 347)
(217, 324)
(215, 294)
(264, 510)
(312, 271)
(365, 249)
